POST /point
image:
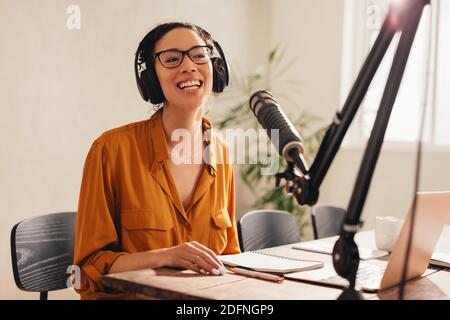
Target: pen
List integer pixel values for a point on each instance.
(257, 274)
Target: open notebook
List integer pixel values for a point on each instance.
(326, 246)
(440, 259)
(264, 262)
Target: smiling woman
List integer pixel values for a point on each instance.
(138, 207)
(175, 73)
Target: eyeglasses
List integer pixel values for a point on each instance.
(172, 58)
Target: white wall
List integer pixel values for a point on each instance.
(311, 31)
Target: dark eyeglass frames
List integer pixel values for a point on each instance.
(172, 58)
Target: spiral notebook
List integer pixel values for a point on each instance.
(264, 262)
(326, 246)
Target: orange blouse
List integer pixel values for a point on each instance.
(128, 193)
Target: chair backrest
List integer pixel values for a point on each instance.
(42, 252)
(261, 229)
(327, 220)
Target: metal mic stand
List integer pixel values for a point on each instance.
(403, 16)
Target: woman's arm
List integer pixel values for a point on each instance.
(190, 255)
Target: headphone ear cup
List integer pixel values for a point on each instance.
(152, 87)
(142, 88)
(220, 74)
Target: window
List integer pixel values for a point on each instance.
(442, 97)
(425, 80)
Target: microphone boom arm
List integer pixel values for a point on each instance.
(305, 187)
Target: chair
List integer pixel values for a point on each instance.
(42, 252)
(327, 220)
(261, 229)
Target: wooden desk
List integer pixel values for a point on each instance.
(166, 283)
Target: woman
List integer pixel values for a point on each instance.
(144, 201)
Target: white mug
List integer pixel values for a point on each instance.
(387, 230)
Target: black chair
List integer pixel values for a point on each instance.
(327, 220)
(42, 252)
(261, 229)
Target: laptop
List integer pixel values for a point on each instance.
(432, 213)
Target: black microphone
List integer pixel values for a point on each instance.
(270, 116)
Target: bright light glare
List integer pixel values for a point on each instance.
(399, 3)
(398, 6)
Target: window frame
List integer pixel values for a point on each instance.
(354, 52)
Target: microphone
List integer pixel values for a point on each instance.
(270, 116)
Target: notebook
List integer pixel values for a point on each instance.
(265, 262)
(440, 259)
(326, 247)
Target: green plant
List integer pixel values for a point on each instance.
(239, 115)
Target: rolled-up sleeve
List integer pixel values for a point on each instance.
(96, 237)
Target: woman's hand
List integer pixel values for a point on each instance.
(193, 256)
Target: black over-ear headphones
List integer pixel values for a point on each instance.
(147, 80)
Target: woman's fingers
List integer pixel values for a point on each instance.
(209, 252)
(189, 265)
(186, 264)
(200, 261)
(196, 257)
(197, 254)
(210, 257)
